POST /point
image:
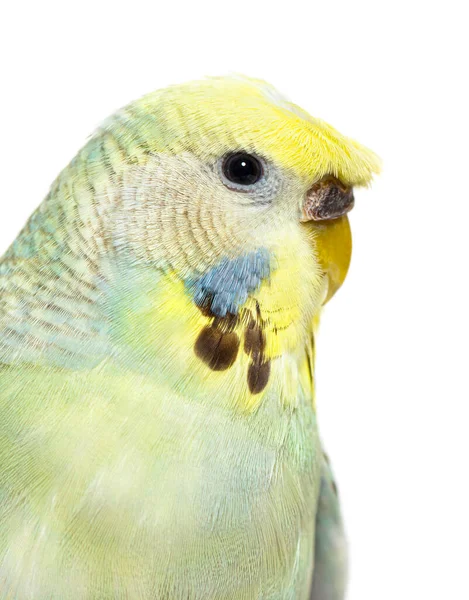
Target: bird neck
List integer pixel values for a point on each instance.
(49, 277)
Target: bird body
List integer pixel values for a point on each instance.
(168, 507)
(158, 433)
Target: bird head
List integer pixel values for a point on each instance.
(225, 167)
(242, 197)
(216, 212)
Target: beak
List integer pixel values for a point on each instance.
(327, 199)
(324, 216)
(332, 241)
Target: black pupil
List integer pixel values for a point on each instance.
(242, 169)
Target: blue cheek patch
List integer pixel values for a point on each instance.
(225, 288)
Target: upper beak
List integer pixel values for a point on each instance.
(327, 199)
(324, 215)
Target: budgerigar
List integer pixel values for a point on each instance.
(158, 435)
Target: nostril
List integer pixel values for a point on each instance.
(327, 199)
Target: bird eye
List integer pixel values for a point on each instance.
(242, 169)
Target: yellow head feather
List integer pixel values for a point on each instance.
(223, 113)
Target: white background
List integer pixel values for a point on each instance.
(392, 367)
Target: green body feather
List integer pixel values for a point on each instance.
(120, 488)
